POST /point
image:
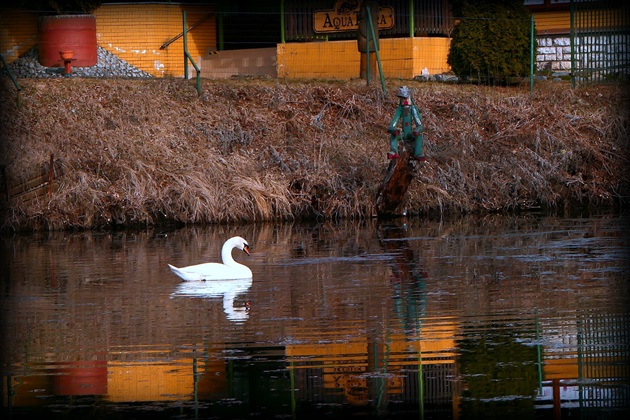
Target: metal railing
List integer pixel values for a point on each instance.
(600, 36)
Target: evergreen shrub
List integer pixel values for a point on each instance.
(491, 41)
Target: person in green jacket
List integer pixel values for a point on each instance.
(407, 114)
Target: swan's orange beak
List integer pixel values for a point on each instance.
(246, 249)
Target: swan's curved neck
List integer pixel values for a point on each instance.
(226, 255)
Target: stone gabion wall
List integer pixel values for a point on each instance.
(554, 53)
(108, 65)
(596, 56)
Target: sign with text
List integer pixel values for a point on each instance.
(345, 17)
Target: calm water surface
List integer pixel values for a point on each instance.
(499, 317)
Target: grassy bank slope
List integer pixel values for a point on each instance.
(142, 152)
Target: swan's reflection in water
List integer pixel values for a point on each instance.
(228, 289)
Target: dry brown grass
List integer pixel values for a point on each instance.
(144, 152)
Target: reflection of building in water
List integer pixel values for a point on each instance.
(163, 376)
(131, 376)
(585, 364)
(34, 383)
(150, 381)
(363, 370)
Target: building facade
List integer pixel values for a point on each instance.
(318, 39)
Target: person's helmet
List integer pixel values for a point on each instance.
(403, 92)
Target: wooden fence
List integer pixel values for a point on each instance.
(37, 185)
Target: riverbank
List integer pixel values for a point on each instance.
(143, 152)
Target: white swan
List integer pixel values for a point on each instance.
(229, 270)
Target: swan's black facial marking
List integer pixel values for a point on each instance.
(246, 249)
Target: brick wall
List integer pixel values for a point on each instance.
(135, 33)
(400, 57)
(18, 33)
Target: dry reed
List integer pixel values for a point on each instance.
(137, 153)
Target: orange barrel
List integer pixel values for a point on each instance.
(75, 33)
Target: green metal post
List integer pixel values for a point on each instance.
(539, 355)
(282, 24)
(532, 55)
(292, 376)
(15, 82)
(196, 387)
(378, 56)
(412, 30)
(571, 37)
(220, 28)
(580, 357)
(367, 52)
(185, 44)
(187, 57)
(420, 382)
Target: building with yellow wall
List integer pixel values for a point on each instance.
(149, 37)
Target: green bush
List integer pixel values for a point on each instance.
(491, 42)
